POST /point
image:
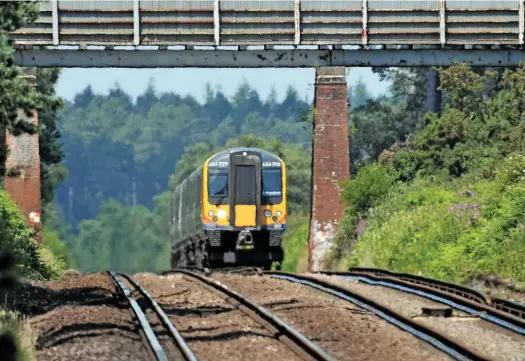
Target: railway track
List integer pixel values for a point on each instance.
(242, 270)
(439, 340)
(151, 338)
(297, 342)
(503, 313)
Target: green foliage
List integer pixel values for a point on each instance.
(122, 239)
(13, 15)
(52, 172)
(512, 171)
(457, 210)
(58, 248)
(32, 261)
(295, 242)
(371, 184)
(477, 129)
(376, 124)
(368, 188)
(15, 92)
(445, 234)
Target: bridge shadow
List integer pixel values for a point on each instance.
(33, 300)
(79, 331)
(173, 310)
(38, 302)
(224, 336)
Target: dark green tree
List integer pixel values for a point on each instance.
(15, 93)
(52, 172)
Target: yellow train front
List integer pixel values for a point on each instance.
(230, 211)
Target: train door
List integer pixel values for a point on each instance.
(246, 189)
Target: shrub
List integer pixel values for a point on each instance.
(512, 170)
(18, 239)
(58, 249)
(457, 210)
(371, 184)
(454, 231)
(295, 242)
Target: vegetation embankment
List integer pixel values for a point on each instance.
(20, 255)
(450, 202)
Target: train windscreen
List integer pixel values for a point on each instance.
(217, 185)
(271, 186)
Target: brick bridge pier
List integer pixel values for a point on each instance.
(330, 161)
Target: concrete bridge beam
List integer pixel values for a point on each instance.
(330, 161)
(23, 166)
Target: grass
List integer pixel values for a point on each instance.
(456, 231)
(295, 243)
(12, 324)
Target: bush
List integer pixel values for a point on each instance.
(295, 242)
(32, 259)
(454, 231)
(457, 210)
(58, 249)
(371, 184)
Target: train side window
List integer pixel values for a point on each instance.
(271, 186)
(218, 183)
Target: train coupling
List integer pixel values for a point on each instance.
(244, 240)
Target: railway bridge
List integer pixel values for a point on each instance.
(328, 35)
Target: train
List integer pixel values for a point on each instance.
(231, 211)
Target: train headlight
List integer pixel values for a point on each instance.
(210, 213)
(267, 213)
(221, 213)
(278, 213)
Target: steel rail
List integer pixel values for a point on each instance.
(150, 335)
(501, 304)
(183, 347)
(453, 348)
(462, 291)
(232, 270)
(299, 339)
(501, 312)
(513, 308)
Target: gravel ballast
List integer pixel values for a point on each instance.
(340, 328)
(485, 337)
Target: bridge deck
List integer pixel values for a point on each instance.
(241, 23)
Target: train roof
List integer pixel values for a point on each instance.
(225, 154)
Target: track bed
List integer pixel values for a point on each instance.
(496, 342)
(344, 331)
(81, 317)
(212, 327)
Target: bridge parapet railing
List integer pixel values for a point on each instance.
(271, 22)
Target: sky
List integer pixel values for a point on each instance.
(193, 80)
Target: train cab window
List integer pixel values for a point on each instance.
(217, 184)
(271, 186)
